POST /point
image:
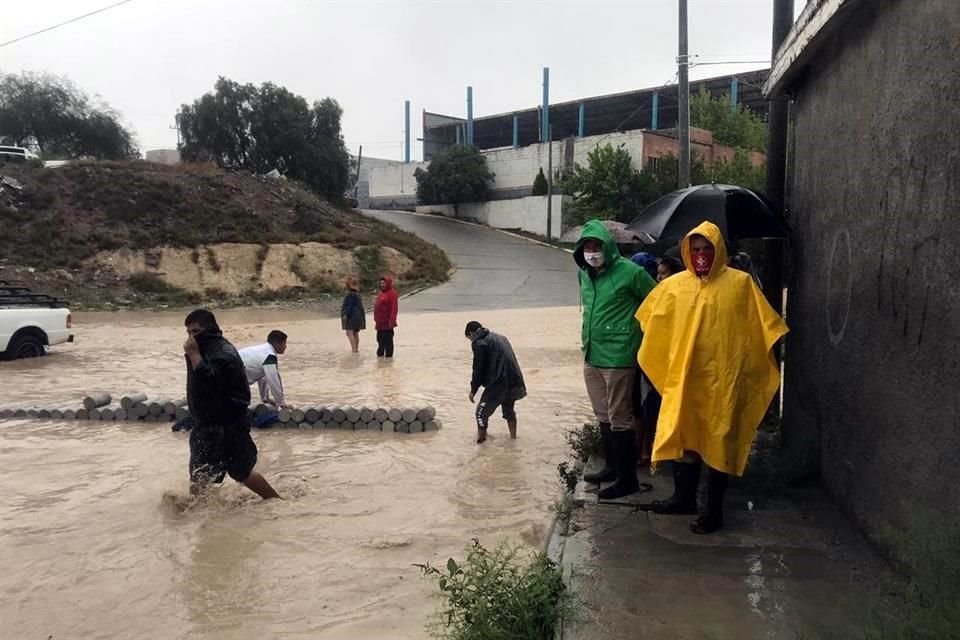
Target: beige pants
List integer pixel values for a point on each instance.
(610, 392)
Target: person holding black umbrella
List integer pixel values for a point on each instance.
(709, 334)
(611, 289)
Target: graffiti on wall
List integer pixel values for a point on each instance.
(910, 248)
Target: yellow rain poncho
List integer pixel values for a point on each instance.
(707, 349)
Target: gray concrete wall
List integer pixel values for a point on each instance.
(873, 363)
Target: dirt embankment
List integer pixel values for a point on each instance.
(140, 234)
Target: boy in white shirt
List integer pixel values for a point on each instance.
(262, 367)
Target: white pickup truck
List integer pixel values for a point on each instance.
(31, 322)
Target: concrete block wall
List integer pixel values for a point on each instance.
(873, 355)
(526, 214)
(394, 185)
(514, 169)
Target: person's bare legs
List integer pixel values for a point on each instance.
(512, 427)
(354, 338)
(259, 485)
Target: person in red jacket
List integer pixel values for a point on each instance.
(385, 317)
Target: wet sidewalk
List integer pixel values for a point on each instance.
(779, 569)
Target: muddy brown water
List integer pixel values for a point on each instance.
(95, 546)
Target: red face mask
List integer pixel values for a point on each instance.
(703, 262)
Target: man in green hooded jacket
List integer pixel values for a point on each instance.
(611, 290)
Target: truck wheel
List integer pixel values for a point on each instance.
(25, 346)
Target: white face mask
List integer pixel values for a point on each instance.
(595, 260)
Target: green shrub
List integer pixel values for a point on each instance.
(504, 594)
(370, 265)
(568, 476)
(261, 258)
(540, 186)
(584, 441)
(212, 260)
(151, 283)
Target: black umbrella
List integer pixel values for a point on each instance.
(740, 213)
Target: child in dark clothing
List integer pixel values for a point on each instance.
(352, 316)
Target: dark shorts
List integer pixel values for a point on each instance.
(216, 451)
(489, 401)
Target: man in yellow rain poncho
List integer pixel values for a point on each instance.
(707, 348)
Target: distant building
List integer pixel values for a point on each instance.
(363, 183)
(653, 108)
(643, 121)
(394, 185)
(871, 392)
(163, 156)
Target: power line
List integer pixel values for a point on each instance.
(57, 26)
(616, 129)
(706, 64)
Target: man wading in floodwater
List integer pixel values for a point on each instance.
(495, 368)
(218, 396)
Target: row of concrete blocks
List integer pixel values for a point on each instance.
(399, 427)
(137, 408)
(402, 420)
(110, 414)
(102, 414)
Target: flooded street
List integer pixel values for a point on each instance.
(92, 547)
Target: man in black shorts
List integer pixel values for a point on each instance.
(495, 368)
(218, 396)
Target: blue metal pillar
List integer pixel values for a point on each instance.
(516, 131)
(406, 131)
(545, 132)
(580, 121)
(655, 116)
(734, 88)
(469, 115)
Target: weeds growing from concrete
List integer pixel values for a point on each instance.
(503, 594)
(584, 441)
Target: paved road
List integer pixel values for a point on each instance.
(494, 270)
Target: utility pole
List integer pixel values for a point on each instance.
(779, 111)
(356, 188)
(549, 182)
(406, 131)
(777, 160)
(683, 120)
(176, 125)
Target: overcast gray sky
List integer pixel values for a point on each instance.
(147, 57)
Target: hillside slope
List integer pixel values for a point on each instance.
(138, 233)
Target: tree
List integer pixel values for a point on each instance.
(268, 127)
(665, 173)
(540, 186)
(734, 127)
(50, 115)
(608, 187)
(739, 171)
(456, 174)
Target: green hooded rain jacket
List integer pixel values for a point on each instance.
(610, 337)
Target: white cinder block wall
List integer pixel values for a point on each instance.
(514, 169)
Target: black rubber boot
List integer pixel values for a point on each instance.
(712, 518)
(608, 473)
(686, 479)
(625, 456)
